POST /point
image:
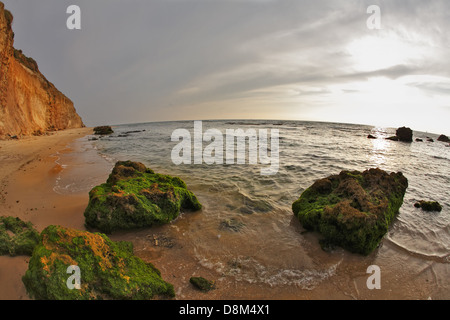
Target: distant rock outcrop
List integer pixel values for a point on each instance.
(352, 209)
(443, 138)
(404, 134)
(103, 130)
(29, 103)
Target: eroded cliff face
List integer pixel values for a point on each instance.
(29, 103)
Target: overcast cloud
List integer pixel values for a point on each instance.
(139, 61)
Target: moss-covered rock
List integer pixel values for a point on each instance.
(202, 283)
(103, 130)
(428, 205)
(17, 237)
(135, 196)
(108, 270)
(352, 209)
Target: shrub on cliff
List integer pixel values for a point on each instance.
(353, 209)
(135, 196)
(17, 237)
(108, 270)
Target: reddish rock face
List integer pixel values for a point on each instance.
(29, 103)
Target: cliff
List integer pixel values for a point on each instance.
(29, 103)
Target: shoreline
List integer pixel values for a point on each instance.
(27, 176)
(31, 167)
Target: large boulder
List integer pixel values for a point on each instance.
(352, 209)
(17, 237)
(135, 196)
(107, 269)
(404, 134)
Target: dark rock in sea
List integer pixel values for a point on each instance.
(133, 131)
(419, 140)
(393, 138)
(430, 140)
(352, 209)
(103, 130)
(135, 196)
(202, 283)
(371, 137)
(443, 138)
(17, 237)
(108, 270)
(428, 205)
(404, 134)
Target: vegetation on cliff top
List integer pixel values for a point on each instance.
(353, 209)
(135, 196)
(17, 237)
(108, 270)
(28, 62)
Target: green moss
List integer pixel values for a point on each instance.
(202, 283)
(353, 210)
(17, 237)
(135, 196)
(109, 270)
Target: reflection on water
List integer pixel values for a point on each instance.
(269, 247)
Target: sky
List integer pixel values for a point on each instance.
(137, 61)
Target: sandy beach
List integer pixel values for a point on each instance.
(27, 176)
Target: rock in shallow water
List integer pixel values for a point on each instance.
(352, 209)
(428, 205)
(135, 196)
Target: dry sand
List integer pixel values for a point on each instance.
(27, 175)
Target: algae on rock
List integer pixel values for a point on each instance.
(135, 196)
(17, 237)
(353, 209)
(108, 270)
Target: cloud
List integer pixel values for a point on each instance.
(162, 60)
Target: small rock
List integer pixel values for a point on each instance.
(428, 205)
(393, 138)
(202, 283)
(443, 138)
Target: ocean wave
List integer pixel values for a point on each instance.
(248, 269)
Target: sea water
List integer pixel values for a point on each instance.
(246, 232)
